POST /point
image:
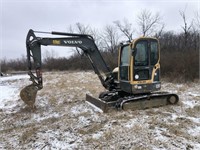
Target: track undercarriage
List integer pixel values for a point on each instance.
(119, 101)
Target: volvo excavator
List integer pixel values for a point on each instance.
(134, 84)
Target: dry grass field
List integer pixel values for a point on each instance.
(63, 120)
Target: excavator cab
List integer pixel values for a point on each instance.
(139, 67)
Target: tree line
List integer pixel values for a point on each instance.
(179, 50)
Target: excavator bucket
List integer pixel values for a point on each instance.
(28, 95)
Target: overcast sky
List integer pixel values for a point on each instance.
(18, 16)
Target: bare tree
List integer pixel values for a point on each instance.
(86, 29)
(186, 27)
(158, 34)
(70, 29)
(197, 21)
(83, 29)
(126, 28)
(97, 37)
(79, 28)
(148, 23)
(110, 38)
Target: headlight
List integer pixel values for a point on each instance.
(136, 76)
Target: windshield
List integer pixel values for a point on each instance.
(141, 56)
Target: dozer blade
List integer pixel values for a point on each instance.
(104, 106)
(28, 95)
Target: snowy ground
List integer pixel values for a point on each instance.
(63, 120)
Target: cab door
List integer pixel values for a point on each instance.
(141, 61)
(145, 66)
(146, 61)
(124, 68)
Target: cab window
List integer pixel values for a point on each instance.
(124, 63)
(125, 56)
(141, 56)
(154, 52)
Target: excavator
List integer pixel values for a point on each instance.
(134, 84)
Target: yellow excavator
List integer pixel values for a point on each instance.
(134, 84)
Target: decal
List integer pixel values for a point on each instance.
(56, 42)
(72, 42)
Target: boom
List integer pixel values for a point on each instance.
(82, 41)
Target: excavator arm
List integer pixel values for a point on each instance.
(82, 41)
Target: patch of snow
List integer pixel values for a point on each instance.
(131, 123)
(9, 97)
(58, 140)
(76, 110)
(82, 108)
(196, 146)
(195, 120)
(14, 77)
(159, 136)
(7, 92)
(189, 103)
(39, 117)
(194, 131)
(174, 116)
(83, 120)
(194, 94)
(179, 85)
(97, 135)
